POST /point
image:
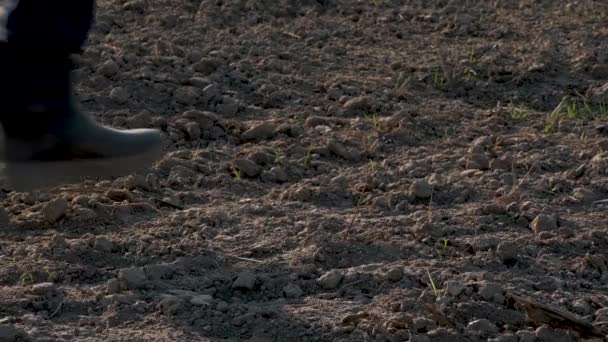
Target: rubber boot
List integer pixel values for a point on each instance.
(48, 141)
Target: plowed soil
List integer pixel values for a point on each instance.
(334, 170)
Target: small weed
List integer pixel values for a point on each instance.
(374, 119)
(277, 155)
(401, 80)
(436, 291)
(308, 157)
(236, 172)
(519, 112)
(439, 80)
(372, 167)
(469, 73)
(26, 278)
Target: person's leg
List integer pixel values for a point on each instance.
(47, 139)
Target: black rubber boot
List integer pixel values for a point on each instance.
(48, 141)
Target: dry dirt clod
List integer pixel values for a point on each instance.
(357, 105)
(421, 189)
(331, 279)
(113, 286)
(103, 244)
(109, 68)
(119, 95)
(546, 334)
(119, 195)
(455, 288)
(544, 223)
(483, 326)
(292, 291)
(248, 167)
(45, 289)
(133, 278)
(202, 300)
(260, 132)
(55, 209)
(245, 280)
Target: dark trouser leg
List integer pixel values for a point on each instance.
(55, 26)
(38, 38)
(48, 141)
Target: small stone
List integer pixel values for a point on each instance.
(331, 279)
(210, 93)
(422, 324)
(241, 320)
(85, 214)
(170, 304)
(357, 105)
(504, 338)
(455, 288)
(492, 292)
(245, 280)
(338, 149)
(8, 333)
(601, 315)
(118, 195)
(421, 189)
(546, 334)
(202, 300)
(478, 162)
(260, 132)
(133, 277)
(394, 274)
(581, 307)
(544, 223)
(159, 271)
(483, 326)
(103, 244)
(45, 289)
(227, 106)
(186, 95)
(119, 95)
(55, 209)
(108, 68)
(247, 167)
(113, 286)
(508, 251)
(525, 336)
(292, 291)
(206, 66)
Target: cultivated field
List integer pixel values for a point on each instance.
(335, 170)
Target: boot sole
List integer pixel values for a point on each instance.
(30, 176)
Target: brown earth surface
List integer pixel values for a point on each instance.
(335, 170)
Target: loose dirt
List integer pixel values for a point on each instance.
(335, 170)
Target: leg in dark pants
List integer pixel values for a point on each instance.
(48, 141)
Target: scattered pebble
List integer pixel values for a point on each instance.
(331, 279)
(113, 286)
(202, 300)
(103, 244)
(357, 105)
(483, 326)
(455, 288)
(260, 132)
(245, 280)
(544, 223)
(421, 188)
(133, 278)
(546, 334)
(247, 167)
(292, 291)
(492, 292)
(55, 209)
